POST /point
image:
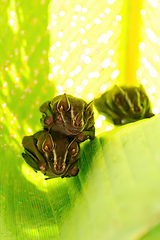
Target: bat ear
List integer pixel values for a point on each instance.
(89, 108)
(142, 89)
(73, 148)
(118, 94)
(116, 90)
(63, 104)
(48, 144)
(90, 105)
(142, 92)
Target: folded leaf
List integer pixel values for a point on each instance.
(116, 193)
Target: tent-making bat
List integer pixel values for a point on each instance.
(70, 116)
(124, 104)
(52, 153)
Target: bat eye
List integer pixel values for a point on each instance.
(67, 117)
(51, 158)
(119, 99)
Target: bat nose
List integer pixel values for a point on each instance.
(78, 120)
(59, 166)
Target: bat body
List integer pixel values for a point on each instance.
(70, 116)
(52, 153)
(124, 104)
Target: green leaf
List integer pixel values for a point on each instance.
(115, 196)
(154, 234)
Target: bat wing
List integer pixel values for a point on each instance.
(30, 160)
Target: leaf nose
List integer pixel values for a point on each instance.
(78, 120)
(59, 166)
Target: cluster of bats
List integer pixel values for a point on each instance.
(55, 151)
(67, 121)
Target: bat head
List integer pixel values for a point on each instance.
(130, 102)
(71, 114)
(60, 153)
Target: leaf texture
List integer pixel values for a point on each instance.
(115, 194)
(49, 47)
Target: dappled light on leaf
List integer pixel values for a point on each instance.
(49, 48)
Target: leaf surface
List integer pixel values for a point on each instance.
(115, 194)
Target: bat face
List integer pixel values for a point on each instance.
(131, 102)
(54, 154)
(69, 115)
(63, 153)
(124, 104)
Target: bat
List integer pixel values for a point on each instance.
(70, 116)
(124, 104)
(52, 153)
